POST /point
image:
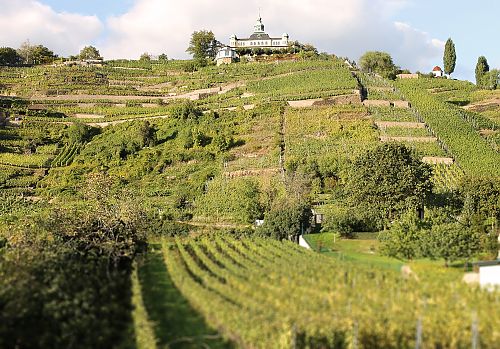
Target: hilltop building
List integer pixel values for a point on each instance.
(438, 72)
(226, 55)
(259, 39)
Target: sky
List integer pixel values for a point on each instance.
(412, 31)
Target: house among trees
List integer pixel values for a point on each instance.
(259, 39)
(226, 55)
(438, 72)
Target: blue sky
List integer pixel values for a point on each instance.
(413, 31)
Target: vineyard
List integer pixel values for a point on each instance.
(214, 161)
(460, 138)
(266, 294)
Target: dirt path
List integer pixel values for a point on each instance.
(390, 124)
(116, 122)
(251, 173)
(408, 139)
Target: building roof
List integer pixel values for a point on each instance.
(251, 39)
(260, 36)
(436, 68)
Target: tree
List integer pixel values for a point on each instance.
(10, 57)
(90, 52)
(37, 54)
(202, 46)
(163, 57)
(450, 57)
(452, 241)
(387, 181)
(286, 220)
(492, 79)
(81, 133)
(482, 68)
(145, 57)
(147, 133)
(403, 239)
(378, 62)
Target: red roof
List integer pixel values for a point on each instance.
(436, 68)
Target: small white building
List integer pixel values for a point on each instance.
(259, 39)
(489, 274)
(226, 55)
(438, 72)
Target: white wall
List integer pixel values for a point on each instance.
(489, 276)
(303, 242)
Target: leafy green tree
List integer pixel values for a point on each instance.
(492, 79)
(286, 220)
(387, 181)
(89, 52)
(185, 110)
(452, 241)
(378, 62)
(450, 57)
(202, 46)
(9, 56)
(146, 57)
(147, 133)
(482, 68)
(163, 57)
(36, 54)
(81, 133)
(404, 239)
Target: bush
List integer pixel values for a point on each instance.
(286, 221)
(65, 278)
(185, 110)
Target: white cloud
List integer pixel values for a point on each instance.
(64, 33)
(418, 48)
(346, 28)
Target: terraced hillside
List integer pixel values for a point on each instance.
(98, 161)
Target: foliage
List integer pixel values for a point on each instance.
(185, 110)
(437, 237)
(65, 277)
(481, 196)
(36, 54)
(233, 200)
(450, 57)
(482, 68)
(343, 222)
(452, 241)
(81, 133)
(145, 57)
(9, 57)
(378, 62)
(387, 181)
(492, 79)
(89, 52)
(288, 217)
(202, 46)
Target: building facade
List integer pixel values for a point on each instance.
(226, 55)
(259, 39)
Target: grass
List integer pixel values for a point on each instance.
(364, 249)
(176, 324)
(143, 327)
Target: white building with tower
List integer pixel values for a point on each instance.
(259, 39)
